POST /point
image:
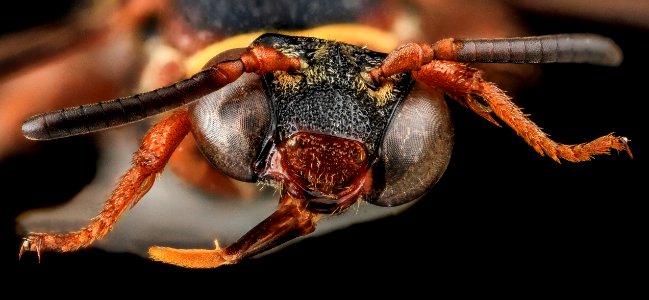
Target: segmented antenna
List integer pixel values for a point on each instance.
(97, 116)
(560, 48)
(566, 48)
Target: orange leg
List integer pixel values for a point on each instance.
(466, 85)
(435, 65)
(291, 220)
(157, 146)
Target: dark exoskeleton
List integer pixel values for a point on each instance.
(327, 122)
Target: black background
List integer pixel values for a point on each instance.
(502, 217)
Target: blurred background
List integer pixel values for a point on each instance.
(501, 216)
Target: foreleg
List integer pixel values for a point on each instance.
(290, 221)
(157, 146)
(467, 86)
(439, 65)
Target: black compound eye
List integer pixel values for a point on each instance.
(416, 148)
(230, 125)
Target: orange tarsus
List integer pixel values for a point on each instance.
(289, 221)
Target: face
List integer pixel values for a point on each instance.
(256, 147)
(326, 130)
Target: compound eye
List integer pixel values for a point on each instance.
(230, 125)
(416, 148)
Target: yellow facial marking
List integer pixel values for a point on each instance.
(288, 82)
(383, 93)
(359, 35)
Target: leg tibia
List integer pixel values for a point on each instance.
(463, 83)
(149, 160)
(290, 221)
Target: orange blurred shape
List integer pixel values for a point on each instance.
(73, 79)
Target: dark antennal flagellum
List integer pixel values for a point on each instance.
(98, 116)
(331, 123)
(563, 48)
(560, 48)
